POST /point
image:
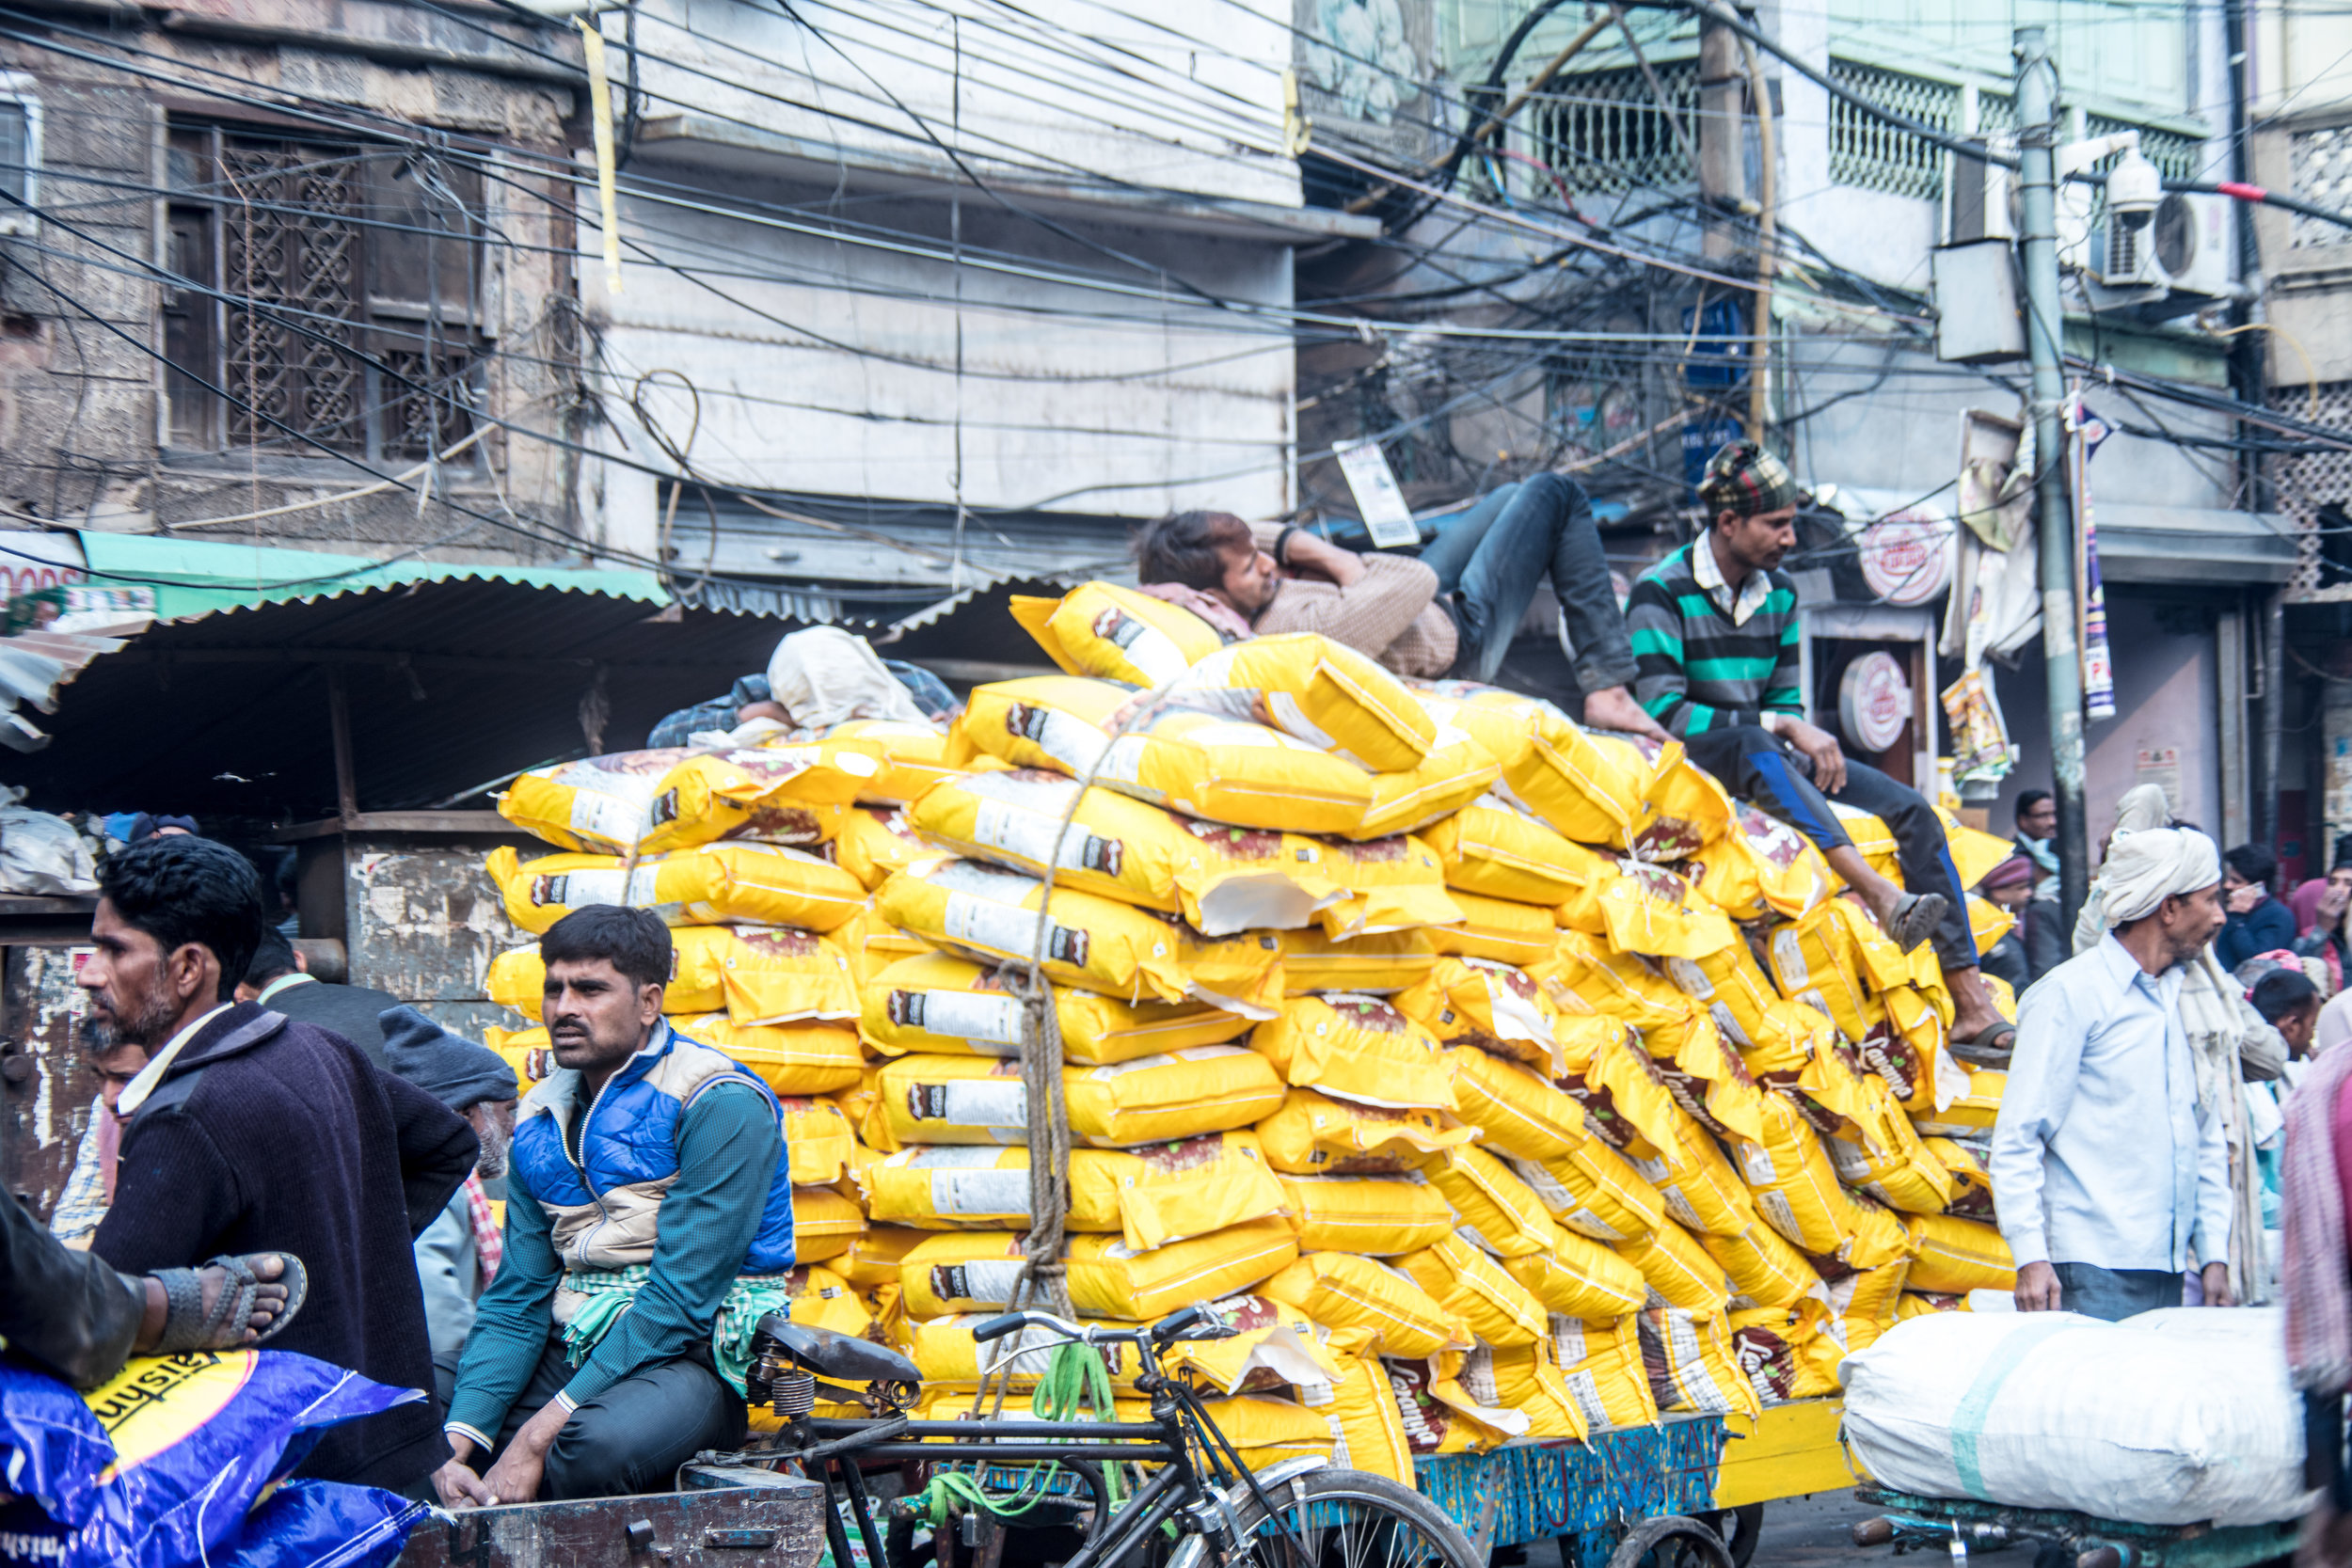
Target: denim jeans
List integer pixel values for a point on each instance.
(1491, 557)
(2114, 1294)
(1750, 761)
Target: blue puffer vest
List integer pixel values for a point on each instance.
(604, 1212)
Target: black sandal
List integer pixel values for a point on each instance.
(1915, 917)
(187, 1326)
(1980, 1047)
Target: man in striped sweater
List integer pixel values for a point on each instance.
(1716, 640)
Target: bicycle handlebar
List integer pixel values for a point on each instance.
(1187, 1323)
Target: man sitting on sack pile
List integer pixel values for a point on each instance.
(1715, 631)
(648, 1227)
(1450, 613)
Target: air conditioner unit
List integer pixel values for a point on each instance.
(2185, 247)
(1979, 202)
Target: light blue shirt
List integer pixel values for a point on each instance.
(2099, 1154)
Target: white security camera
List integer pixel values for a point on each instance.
(2134, 188)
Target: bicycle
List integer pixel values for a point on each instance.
(1200, 1507)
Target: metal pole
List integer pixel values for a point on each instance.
(2037, 115)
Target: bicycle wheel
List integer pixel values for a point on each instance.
(1346, 1519)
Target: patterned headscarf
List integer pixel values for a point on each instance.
(1744, 479)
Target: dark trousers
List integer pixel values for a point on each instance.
(1750, 761)
(2113, 1295)
(1490, 559)
(634, 1436)
(62, 1308)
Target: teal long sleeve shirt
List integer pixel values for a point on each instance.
(728, 1144)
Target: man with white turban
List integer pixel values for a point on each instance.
(2110, 1158)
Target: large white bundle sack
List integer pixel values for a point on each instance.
(2171, 1418)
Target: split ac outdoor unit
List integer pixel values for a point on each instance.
(2184, 248)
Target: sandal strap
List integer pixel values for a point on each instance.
(184, 1312)
(225, 1327)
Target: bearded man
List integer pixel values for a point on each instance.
(249, 1132)
(2110, 1171)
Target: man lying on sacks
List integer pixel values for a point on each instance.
(1450, 613)
(648, 1210)
(2111, 1158)
(1716, 635)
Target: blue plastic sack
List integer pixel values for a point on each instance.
(191, 1441)
(324, 1524)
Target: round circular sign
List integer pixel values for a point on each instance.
(1904, 559)
(1874, 702)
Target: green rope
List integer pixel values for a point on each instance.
(1076, 1388)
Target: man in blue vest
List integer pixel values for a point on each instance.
(648, 1226)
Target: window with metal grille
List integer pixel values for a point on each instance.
(1867, 152)
(2176, 156)
(331, 296)
(2321, 163)
(1605, 131)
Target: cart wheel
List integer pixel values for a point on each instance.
(1671, 1541)
(1738, 1526)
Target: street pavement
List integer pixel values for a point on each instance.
(1807, 1532)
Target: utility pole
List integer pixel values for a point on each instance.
(2037, 137)
(1723, 169)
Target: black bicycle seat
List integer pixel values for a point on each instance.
(835, 1356)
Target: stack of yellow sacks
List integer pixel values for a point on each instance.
(1498, 1078)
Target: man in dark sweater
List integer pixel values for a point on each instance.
(249, 1132)
(279, 980)
(2257, 923)
(1717, 642)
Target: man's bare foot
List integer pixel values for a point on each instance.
(205, 1320)
(1613, 707)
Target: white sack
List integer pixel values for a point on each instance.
(2171, 1418)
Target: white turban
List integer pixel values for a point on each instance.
(825, 677)
(2143, 870)
(2140, 808)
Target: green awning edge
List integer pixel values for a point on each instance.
(197, 577)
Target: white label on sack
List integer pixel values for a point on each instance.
(948, 1157)
(977, 921)
(1067, 738)
(1680, 1206)
(1291, 721)
(988, 1102)
(1567, 1340)
(618, 811)
(1788, 963)
(1690, 979)
(1728, 1026)
(973, 1017)
(576, 889)
(1478, 1375)
(1548, 1187)
(1585, 1223)
(1777, 1212)
(980, 1191)
(1755, 1162)
(1029, 835)
(1122, 767)
(1853, 1165)
(1516, 1017)
(986, 1280)
(1150, 651)
(1587, 1391)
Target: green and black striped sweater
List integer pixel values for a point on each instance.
(1698, 672)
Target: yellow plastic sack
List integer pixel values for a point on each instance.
(1464, 1280)
(825, 1223)
(1356, 1048)
(1765, 1271)
(1201, 764)
(823, 1298)
(1341, 1291)
(1518, 1112)
(1796, 1191)
(1122, 634)
(1320, 692)
(763, 884)
(1221, 880)
(1263, 1431)
(949, 1005)
(1478, 1002)
(1761, 867)
(1378, 1216)
(971, 1271)
(597, 806)
(1504, 1211)
(1603, 979)
(1988, 922)
(1148, 1196)
(1594, 1191)
(874, 944)
(1814, 959)
(1974, 851)
(874, 841)
(1390, 884)
(1738, 999)
(1972, 1185)
(1580, 1278)
(1528, 1378)
(1707, 1077)
(1773, 1348)
(1684, 815)
(1701, 1190)
(1631, 1105)
(1678, 1269)
(1440, 1413)
(1368, 1435)
(976, 1099)
(524, 1049)
(1374, 965)
(1314, 1135)
(951, 1361)
(697, 970)
(1650, 909)
(1497, 928)
(1492, 847)
(1484, 713)
(1602, 1362)
(817, 1143)
(1689, 1357)
(1274, 1347)
(1091, 942)
(776, 974)
(1906, 1175)
(913, 756)
(1955, 1256)
(1865, 1302)
(1921, 1304)
(1456, 771)
(779, 791)
(874, 1258)
(1589, 787)
(807, 1057)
